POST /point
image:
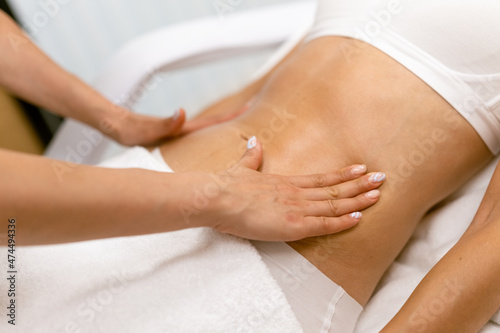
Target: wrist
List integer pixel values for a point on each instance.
(109, 119)
(201, 203)
(88, 106)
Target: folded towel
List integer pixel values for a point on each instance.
(195, 280)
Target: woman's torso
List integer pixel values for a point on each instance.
(323, 110)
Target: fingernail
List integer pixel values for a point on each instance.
(358, 169)
(373, 194)
(176, 115)
(377, 177)
(356, 215)
(249, 103)
(252, 142)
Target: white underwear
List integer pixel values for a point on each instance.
(319, 304)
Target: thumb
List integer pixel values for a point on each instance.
(175, 123)
(252, 158)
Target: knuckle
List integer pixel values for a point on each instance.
(250, 153)
(332, 192)
(319, 180)
(325, 224)
(287, 189)
(295, 229)
(345, 175)
(292, 205)
(361, 183)
(280, 187)
(334, 207)
(290, 218)
(302, 233)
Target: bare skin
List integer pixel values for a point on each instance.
(321, 110)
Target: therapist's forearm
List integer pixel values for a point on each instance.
(28, 73)
(461, 293)
(88, 203)
(56, 202)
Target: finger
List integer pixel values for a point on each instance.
(137, 129)
(333, 208)
(320, 226)
(252, 158)
(232, 115)
(199, 123)
(195, 125)
(176, 122)
(328, 179)
(347, 189)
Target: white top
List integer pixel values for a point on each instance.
(452, 45)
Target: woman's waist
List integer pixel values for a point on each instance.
(287, 150)
(294, 142)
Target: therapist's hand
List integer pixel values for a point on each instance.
(132, 129)
(278, 208)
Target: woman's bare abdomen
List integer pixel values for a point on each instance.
(322, 111)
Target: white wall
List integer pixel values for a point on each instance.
(81, 35)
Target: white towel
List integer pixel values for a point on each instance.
(436, 234)
(195, 280)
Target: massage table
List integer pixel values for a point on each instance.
(275, 29)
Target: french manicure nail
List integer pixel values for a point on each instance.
(358, 170)
(252, 142)
(356, 215)
(373, 194)
(176, 115)
(377, 177)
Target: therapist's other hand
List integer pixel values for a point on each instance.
(286, 208)
(133, 129)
